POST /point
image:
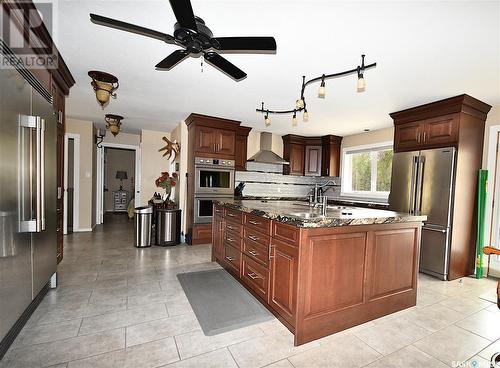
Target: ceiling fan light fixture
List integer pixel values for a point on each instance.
(305, 116)
(113, 123)
(104, 85)
(321, 90)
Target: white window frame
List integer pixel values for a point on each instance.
(346, 168)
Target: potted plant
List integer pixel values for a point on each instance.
(167, 182)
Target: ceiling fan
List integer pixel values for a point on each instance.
(191, 33)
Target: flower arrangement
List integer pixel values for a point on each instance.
(167, 181)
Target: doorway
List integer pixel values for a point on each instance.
(71, 182)
(118, 180)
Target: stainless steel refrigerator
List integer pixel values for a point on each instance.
(423, 183)
(27, 196)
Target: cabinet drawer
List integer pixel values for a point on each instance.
(286, 233)
(256, 251)
(257, 223)
(235, 227)
(218, 209)
(232, 258)
(233, 215)
(256, 236)
(233, 239)
(256, 277)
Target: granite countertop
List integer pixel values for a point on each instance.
(332, 200)
(298, 213)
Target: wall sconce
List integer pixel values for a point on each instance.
(104, 85)
(113, 123)
(99, 137)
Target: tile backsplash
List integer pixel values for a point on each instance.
(263, 183)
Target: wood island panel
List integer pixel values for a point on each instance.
(318, 281)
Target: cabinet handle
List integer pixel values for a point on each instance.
(222, 225)
(253, 222)
(253, 276)
(253, 237)
(230, 240)
(231, 215)
(253, 253)
(270, 251)
(418, 137)
(424, 136)
(229, 259)
(230, 227)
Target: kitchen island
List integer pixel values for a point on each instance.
(319, 274)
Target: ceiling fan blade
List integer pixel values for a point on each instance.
(245, 43)
(184, 13)
(171, 60)
(128, 27)
(224, 65)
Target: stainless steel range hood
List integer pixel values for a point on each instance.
(265, 154)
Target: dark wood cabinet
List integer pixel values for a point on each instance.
(312, 156)
(240, 159)
(205, 140)
(217, 236)
(453, 122)
(225, 142)
(283, 279)
(313, 161)
(216, 142)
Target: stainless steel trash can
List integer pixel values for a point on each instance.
(168, 227)
(142, 219)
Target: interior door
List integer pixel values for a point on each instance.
(403, 181)
(15, 249)
(44, 243)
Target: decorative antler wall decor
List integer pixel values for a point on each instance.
(171, 149)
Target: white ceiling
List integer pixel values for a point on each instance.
(425, 51)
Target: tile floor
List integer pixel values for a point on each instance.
(117, 306)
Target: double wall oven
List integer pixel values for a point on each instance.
(214, 180)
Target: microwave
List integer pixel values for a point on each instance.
(214, 176)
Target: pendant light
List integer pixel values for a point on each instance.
(294, 119)
(113, 123)
(361, 81)
(321, 90)
(305, 116)
(104, 85)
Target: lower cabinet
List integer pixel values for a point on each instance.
(232, 259)
(256, 277)
(283, 279)
(217, 237)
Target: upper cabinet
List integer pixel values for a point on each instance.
(241, 148)
(213, 137)
(434, 125)
(312, 156)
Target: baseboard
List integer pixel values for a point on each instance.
(82, 230)
(14, 331)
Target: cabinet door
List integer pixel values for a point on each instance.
(283, 284)
(225, 142)
(205, 139)
(217, 237)
(442, 130)
(296, 159)
(313, 161)
(408, 136)
(330, 161)
(241, 153)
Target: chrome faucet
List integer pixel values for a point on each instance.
(315, 199)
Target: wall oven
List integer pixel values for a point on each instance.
(214, 176)
(203, 207)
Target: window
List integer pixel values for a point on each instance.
(366, 171)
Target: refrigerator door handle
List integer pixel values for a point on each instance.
(36, 224)
(443, 231)
(413, 184)
(420, 183)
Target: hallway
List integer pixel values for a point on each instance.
(118, 306)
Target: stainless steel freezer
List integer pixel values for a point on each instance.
(423, 183)
(27, 195)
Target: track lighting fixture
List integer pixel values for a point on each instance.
(300, 104)
(305, 116)
(321, 90)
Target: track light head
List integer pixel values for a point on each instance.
(294, 119)
(361, 85)
(321, 90)
(267, 121)
(305, 116)
(299, 104)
